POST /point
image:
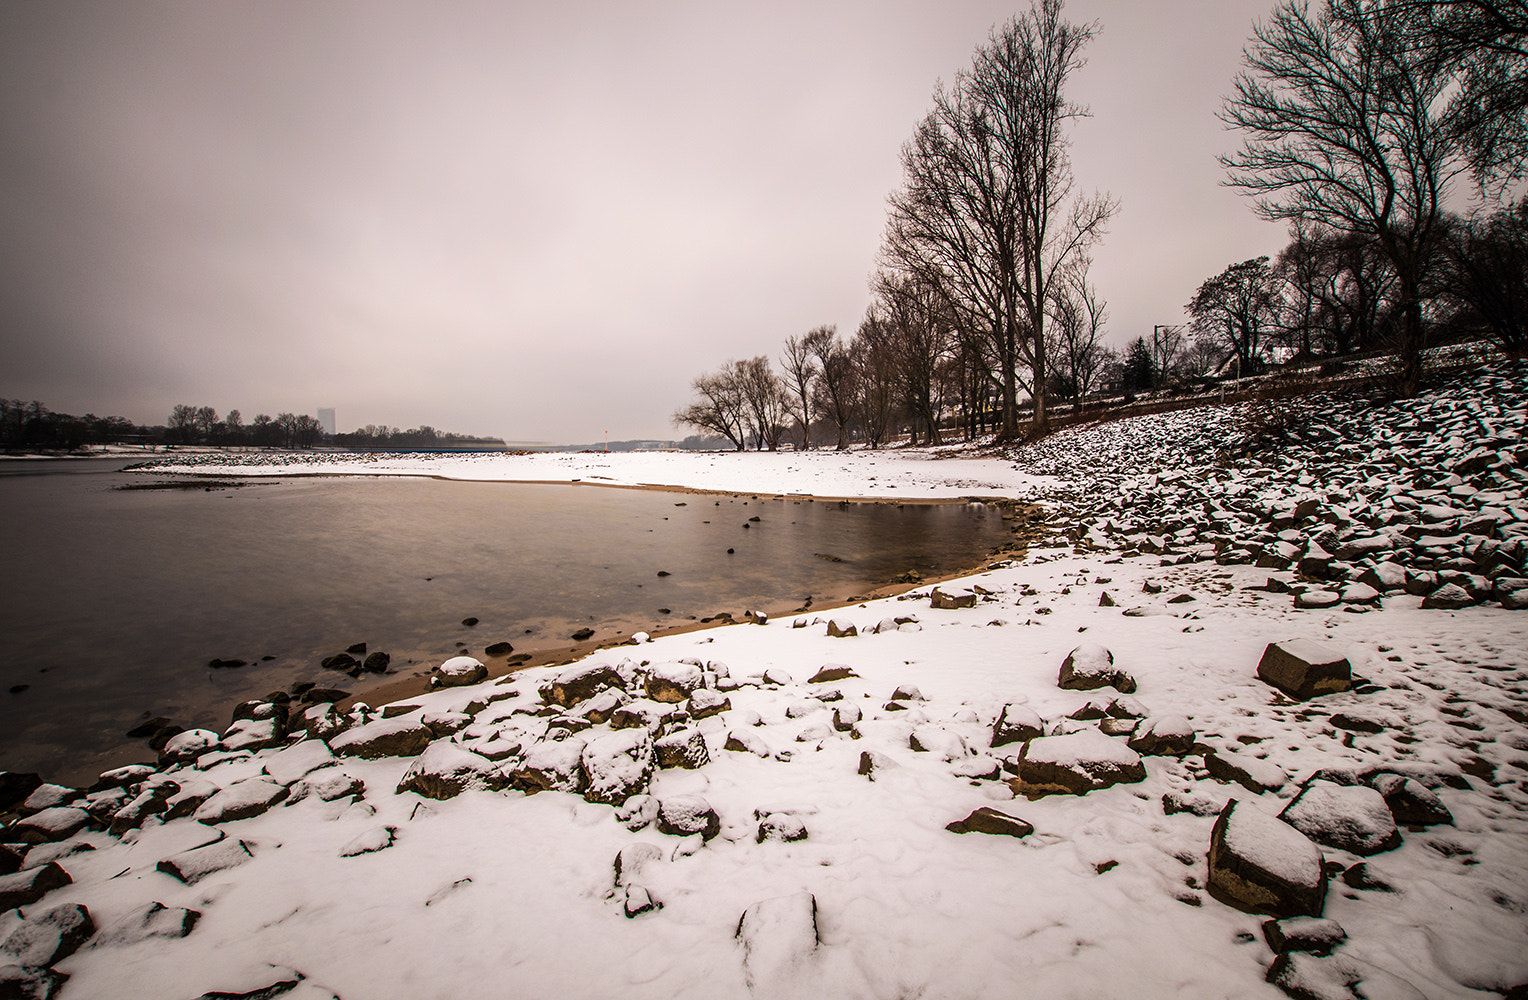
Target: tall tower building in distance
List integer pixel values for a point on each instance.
(326, 419)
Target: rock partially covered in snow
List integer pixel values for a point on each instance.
(1338, 977)
(1313, 934)
(672, 682)
(196, 864)
(617, 766)
(1449, 597)
(152, 920)
(1260, 864)
(1076, 763)
(580, 682)
(26, 887)
(706, 702)
(383, 738)
(26, 983)
(459, 671)
(684, 815)
(682, 748)
(48, 938)
(842, 628)
(779, 938)
(49, 825)
(1091, 666)
(1016, 724)
(1410, 802)
(1304, 669)
(552, 767)
(1349, 817)
(185, 747)
(991, 821)
(240, 800)
(297, 761)
(951, 600)
(782, 827)
(1252, 773)
(1163, 736)
(445, 770)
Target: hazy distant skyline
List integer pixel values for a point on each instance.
(532, 221)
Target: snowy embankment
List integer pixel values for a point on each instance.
(938, 801)
(938, 474)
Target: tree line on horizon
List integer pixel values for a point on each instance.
(1356, 116)
(32, 426)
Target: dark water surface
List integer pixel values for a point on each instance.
(116, 599)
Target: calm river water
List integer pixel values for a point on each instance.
(117, 599)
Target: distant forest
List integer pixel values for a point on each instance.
(31, 426)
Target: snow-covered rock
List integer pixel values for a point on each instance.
(1304, 669)
(459, 671)
(1077, 763)
(617, 765)
(1352, 818)
(1261, 864)
(1091, 666)
(445, 770)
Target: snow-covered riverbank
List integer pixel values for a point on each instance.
(767, 810)
(937, 474)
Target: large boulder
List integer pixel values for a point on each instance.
(48, 938)
(1260, 864)
(1304, 669)
(445, 770)
(617, 766)
(1076, 763)
(779, 938)
(1348, 817)
(459, 671)
(1091, 666)
(404, 737)
(580, 682)
(672, 682)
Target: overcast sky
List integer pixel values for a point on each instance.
(534, 220)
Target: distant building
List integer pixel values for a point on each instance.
(326, 419)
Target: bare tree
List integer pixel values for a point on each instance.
(917, 340)
(1203, 356)
(1236, 307)
(766, 400)
(721, 408)
(1078, 316)
(988, 213)
(1487, 274)
(1483, 45)
(182, 422)
(835, 385)
(1347, 128)
(1166, 345)
(800, 367)
(875, 396)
